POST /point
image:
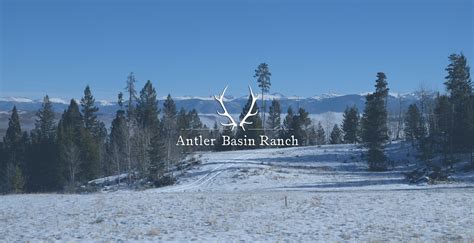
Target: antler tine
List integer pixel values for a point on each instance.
(249, 113)
(225, 113)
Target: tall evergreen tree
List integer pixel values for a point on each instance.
(14, 144)
(45, 171)
(311, 135)
(287, 124)
(183, 123)
(262, 73)
(169, 128)
(300, 126)
(459, 86)
(131, 120)
(13, 133)
(350, 124)
(132, 97)
(320, 135)
(74, 138)
(147, 116)
(195, 124)
(157, 159)
(274, 119)
(374, 125)
(336, 135)
(443, 132)
(413, 124)
(94, 126)
(45, 126)
(183, 128)
(117, 146)
(253, 129)
(147, 108)
(89, 111)
(470, 122)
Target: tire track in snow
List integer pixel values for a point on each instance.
(201, 181)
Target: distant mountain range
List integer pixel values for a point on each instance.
(204, 105)
(207, 106)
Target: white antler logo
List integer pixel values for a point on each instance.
(232, 123)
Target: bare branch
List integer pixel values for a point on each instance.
(231, 123)
(249, 113)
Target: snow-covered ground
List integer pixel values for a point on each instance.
(297, 194)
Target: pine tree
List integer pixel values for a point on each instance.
(413, 124)
(132, 97)
(214, 132)
(336, 135)
(287, 124)
(470, 121)
(311, 135)
(350, 125)
(147, 108)
(72, 136)
(300, 126)
(14, 144)
(443, 132)
(183, 128)
(320, 135)
(95, 127)
(374, 125)
(148, 126)
(89, 111)
(226, 131)
(459, 85)
(13, 133)
(195, 124)
(157, 160)
(262, 73)
(131, 121)
(274, 119)
(117, 146)
(45, 126)
(253, 129)
(169, 128)
(45, 171)
(183, 123)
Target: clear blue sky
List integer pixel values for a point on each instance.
(196, 48)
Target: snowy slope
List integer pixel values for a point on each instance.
(323, 168)
(240, 195)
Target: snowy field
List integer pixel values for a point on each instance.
(295, 194)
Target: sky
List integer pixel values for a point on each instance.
(196, 48)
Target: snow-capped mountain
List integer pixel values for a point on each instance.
(314, 105)
(207, 106)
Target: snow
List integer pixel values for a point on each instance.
(105, 103)
(16, 99)
(58, 101)
(191, 98)
(240, 195)
(326, 96)
(109, 179)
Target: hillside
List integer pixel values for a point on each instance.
(297, 194)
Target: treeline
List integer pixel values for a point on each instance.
(141, 140)
(62, 156)
(441, 129)
(295, 124)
